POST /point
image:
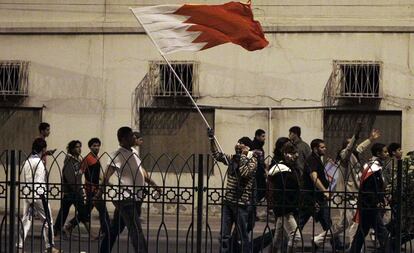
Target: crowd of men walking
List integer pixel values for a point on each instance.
(295, 186)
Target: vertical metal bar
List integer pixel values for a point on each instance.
(398, 207)
(12, 213)
(200, 202)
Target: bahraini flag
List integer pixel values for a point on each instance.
(192, 27)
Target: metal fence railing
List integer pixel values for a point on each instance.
(187, 207)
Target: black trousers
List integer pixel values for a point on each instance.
(127, 214)
(371, 218)
(103, 212)
(323, 216)
(67, 201)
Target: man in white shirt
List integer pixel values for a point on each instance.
(35, 177)
(125, 164)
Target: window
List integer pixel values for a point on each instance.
(358, 78)
(14, 78)
(166, 84)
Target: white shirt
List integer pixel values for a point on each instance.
(35, 175)
(128, 172)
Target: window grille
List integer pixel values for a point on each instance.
(14, 78)
(358, 78)
(164, 82)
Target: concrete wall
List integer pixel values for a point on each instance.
(85, 82)
(87, 58)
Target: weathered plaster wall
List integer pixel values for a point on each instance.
(85, 65)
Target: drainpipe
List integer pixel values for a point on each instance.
(269, 131)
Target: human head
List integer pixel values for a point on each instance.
(290, 153)
(138, 138)
(244, 144)
(379, 150)
(260, 135)
(74, 147)
(277, 153)
(94, 145)
(394, 150)
(39, 146)
(318, 146)
(125, 137)
(294, 133)
(44, 129)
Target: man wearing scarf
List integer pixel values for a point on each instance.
(371, 198)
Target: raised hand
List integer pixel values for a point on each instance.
(375, 134)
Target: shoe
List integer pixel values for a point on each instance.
(53, 250)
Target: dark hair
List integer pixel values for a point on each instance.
(72, 145)
(246, 141)
(289, 148)
(259, 132)
(277, 152)
(43, 126)
(38, 145)
(296, 130)
(377, 148)
(410, 153)
(123, 132)
(137, 134)
(93, 141)
(316, 142)
(393, 147)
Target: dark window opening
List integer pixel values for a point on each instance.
(360, 80)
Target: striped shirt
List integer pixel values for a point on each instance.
(240, 178)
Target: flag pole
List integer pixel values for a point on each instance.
(179, 80)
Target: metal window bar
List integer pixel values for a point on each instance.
(14, 76)
(358, 78)
(165, 84)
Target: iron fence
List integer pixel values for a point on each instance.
(184, 212)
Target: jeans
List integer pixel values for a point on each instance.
(103, 213)
(323, 216)
(127, 213)
(237, 215)
(286, 225)
(68, 200)
(371, 218)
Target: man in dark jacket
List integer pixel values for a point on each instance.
(257, 145)
(285, 194)
(371, 198)
(72, 191)
(303, 148)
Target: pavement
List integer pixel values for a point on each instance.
(169, 233)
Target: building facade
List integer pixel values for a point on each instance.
(90, 69)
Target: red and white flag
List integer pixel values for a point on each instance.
(197, 27)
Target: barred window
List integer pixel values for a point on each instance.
(14, 78)
(166, 84)
(359, 78)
